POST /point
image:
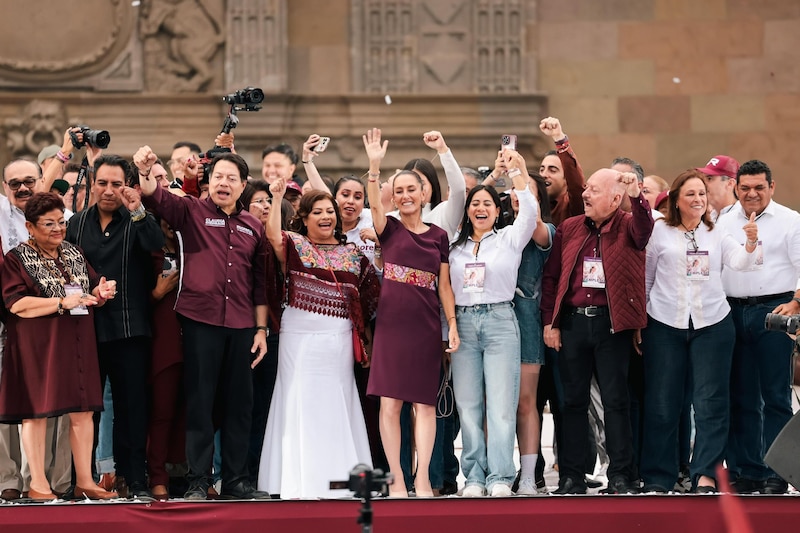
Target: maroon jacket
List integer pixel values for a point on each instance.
(622, 243)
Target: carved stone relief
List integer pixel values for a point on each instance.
(40, 123)
(181, 37)
(430, 46)
(257, 45)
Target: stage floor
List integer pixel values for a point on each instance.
(647, 513)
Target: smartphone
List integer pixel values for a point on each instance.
(322, 144)
(170, 265)
(508, 141)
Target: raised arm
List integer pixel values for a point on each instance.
(144, 159)
(375, 153)
(573, 174)
(308, 163)
(274, 235)
(455, 181)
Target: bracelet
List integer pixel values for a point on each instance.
(60, 307)
(138, 214)
(265, 329)
(309, 162)
(451, 318)
(752, 243)
(145, 174)
(61, 156)
(796, 300)
(513, 173)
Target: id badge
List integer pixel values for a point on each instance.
(697, 265)
(759, 256)
(75, 288)
(474, 276)
(593, 275)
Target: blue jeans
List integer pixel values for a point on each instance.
(761, 397)
(486, 371)
(105, 437)
(669, 355)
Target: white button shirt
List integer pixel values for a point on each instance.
(501, 251)
(672, 298)
(779, 233)
(12, 225)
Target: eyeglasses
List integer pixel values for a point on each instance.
(691, 242)
(50, 226)
(14, 185)
(262, 201)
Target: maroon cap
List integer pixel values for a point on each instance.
(663, 195)
(292, 185)
(721, 165)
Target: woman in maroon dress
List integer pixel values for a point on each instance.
(407, 349)
(50, 364)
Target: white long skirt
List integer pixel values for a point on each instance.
(315, 431)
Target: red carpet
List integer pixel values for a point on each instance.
(597, 514)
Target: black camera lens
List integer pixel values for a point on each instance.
(97, 138)
(786, 324)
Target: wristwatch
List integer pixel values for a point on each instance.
(796, 300)
(138, 214)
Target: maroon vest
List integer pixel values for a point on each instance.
(623, 264)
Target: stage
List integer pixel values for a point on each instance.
(648, 513)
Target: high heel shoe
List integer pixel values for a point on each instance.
(95, 493)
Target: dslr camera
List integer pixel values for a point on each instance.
(786, 323)
(249, 96)
(96, 138)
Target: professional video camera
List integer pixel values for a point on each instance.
(96, 138)
(785, 323)
(249, 97)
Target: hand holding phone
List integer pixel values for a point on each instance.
(508, 141)
(322, 144)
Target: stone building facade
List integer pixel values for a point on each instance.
(667, 82)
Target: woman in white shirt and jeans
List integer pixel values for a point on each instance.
(689, 332)
(484, 262)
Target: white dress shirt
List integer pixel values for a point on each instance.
(501, 251)
(779, 233)
(673, 298)
(12, 225)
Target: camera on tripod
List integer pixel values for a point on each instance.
(364, 481)
(786, 323)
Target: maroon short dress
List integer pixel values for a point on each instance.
(49, 364)
(407, 350)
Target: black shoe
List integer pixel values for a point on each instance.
(569, 486)
(243, 490)
(652, 487)
(540, 484)
(198, 491)
(592, 483)
(515, 485)
(449, 488)
(620, 485)
(775, 485)
(139, 491)
(705, 489)
(745, 485)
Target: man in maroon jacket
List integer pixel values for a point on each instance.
(593, 292)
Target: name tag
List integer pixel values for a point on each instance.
(697, 265)
(215, 222)
(594, 277)
(74, 288)
(242, 229)
(474, 276)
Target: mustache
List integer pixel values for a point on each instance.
(23, 194)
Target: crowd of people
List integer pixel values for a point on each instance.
(214, 334)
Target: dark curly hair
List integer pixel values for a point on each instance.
(40, 204)
(307, 205)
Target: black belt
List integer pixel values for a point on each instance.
(591, 311)
(755, 300)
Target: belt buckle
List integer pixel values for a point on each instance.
(590, 311)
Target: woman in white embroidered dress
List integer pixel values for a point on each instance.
(315, 429)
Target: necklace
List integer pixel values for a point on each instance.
(51, 263)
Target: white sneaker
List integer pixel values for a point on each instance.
(472, 491)
(526, 487)
(501, 491)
